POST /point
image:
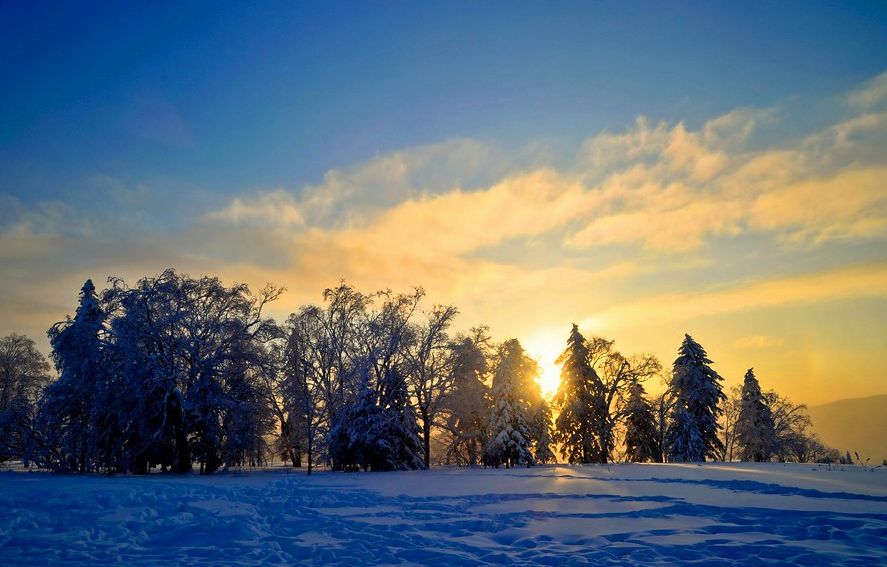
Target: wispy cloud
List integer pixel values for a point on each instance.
(274, 208)
(867, 280)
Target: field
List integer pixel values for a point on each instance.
(711, 514)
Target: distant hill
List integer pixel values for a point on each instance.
(858, 424)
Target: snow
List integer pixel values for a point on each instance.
(659, 514)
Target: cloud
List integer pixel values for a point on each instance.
(850, 204)
(266, 208)
(651, 223)
(871, 94)
(866, 280)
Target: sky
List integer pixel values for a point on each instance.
(644, 170)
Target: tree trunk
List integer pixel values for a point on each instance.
(310, 450)
(426, 436)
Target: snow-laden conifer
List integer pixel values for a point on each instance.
(641, 435)
(509, 432)
(575, 400)
(755, 431)
(74, 415)
(698, 390)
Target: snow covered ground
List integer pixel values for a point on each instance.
(711, 514)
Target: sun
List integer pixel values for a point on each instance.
(545, 348)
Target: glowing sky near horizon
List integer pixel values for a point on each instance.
(640, 170)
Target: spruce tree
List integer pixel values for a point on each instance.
(509, 432)
(698, 390)
(641, 436)
(71, 417)
(468, 402)
(575, 400)
(685, 443)
(541, 432)
(755, 431)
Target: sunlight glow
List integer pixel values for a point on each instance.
(545, 348)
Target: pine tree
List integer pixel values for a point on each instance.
(576, 401)
(540, 427)
(509, 432)
(402, 429)
(356, 438)
(698, 390)
(755, 431)
(73, 417)
(377, 434)
(685, 443)
(468, 403)
(641, 435)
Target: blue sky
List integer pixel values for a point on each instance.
(642, 169)
(228, 98)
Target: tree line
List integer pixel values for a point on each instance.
(176, 372)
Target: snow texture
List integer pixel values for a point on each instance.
(549, 515)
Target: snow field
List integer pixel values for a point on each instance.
(660, 514)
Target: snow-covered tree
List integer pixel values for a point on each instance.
(730, 409)
(338, 341)
(430, 370)
(595, 384)
(188, 351)
(576, 402)
(641, 437)
(698, 390)
(540, 432)
(23, 373)
(684, 441)
(791, 424)
(76, 423)
(357, 437)
(755, 431)
(509, 433)
(467, 404)
(373, 436)
(663, 406)
(618, 373)
(298, 389)
(389, 435)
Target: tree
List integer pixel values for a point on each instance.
(576, 402)
(729, 414)
(301, 410)
(790, 425)
(755, 431)
(618, 374)
(430, 370)
(509, 437)
(391, 436)
(595, 384)
(697, 388)
(23, 373)
(641, 437)
(467, 405)
(684, 440)
(188, 354)
(540, 431)
(337, 349)
(76, 423)
(663, 407)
